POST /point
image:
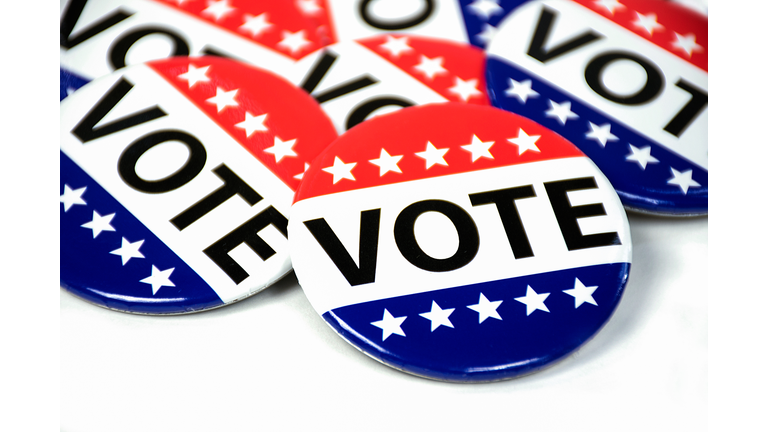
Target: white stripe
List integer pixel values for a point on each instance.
(91, 57)
(445, 22)
(327, 289)
(99, 159)
(355, 61)
(567, 71)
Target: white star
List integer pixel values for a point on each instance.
(683, 179)
(218, 9)
(396, 46)
(70, 90)
(294, 42)
(533, 301)
(485, 8)
(99, 223)
(255, 24)
(282, 148)
(72, 197)
(601, 134)
(431, 67)
(223, 99)
(641, 156)
(648, 22)
(159, 279)
(438, 316)
(340, 170)
(610, 5)
(309, 7)
(129, 250)
(488, 33)
(581, 294)
(390, 325)
(561, 110)
(300, 175)
(687, 43)
(525, 142)
(194, 75)
(387, 163)
(465, 89)
(478, 148)
(486, 309)
(521, 90)
(252, 123)
(433, 155)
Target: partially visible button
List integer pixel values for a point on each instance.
(625, 81)
(177, 178)
(356, 80)
(98, 37)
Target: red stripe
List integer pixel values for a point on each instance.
(291, 112)
(460, 60)
(673, 17)
(283, 15)
(445, 125)
(325, 25)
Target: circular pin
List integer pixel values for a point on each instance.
(356, 80)
(177, 178)
(98, 37)
(459, 242)
(625, 81)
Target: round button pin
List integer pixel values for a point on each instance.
(625, 81)
(177, 178)
(98, 37)
(459, 242)
(356, 80)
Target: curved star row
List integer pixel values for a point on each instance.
(438, 316)
(601, 134)
(464, 90)
(250, 124)
(127, 250)
(432, 156)
(257, 25)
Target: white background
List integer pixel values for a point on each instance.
(66, 368)
(271, 363)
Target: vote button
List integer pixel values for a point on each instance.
(459, 242)
(177, 178)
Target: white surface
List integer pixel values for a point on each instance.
(271, 363)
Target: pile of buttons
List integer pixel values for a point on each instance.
(448, 179)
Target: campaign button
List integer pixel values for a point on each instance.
(459, 242)
(356, 80)
(625, 81)
(98, 37)
(177, 178)
(466, 21)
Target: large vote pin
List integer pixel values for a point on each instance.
(459, 242)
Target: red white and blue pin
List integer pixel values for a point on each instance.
(459, 242)
(624, 80)
(177, 178)
(98, 37)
